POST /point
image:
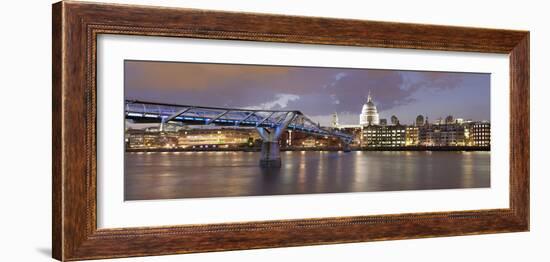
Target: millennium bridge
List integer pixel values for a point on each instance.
(270, 124)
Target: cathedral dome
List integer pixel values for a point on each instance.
(369, 106)
(369, 113)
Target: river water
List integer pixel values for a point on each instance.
(171, 175)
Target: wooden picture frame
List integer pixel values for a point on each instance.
(76, 26)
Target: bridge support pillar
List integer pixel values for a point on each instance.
(347, 147)
(270, 155)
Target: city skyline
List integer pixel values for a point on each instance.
(317, 92)
(214, 132)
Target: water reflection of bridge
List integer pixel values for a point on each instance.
(270, 124)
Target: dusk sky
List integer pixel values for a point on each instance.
(317, 92)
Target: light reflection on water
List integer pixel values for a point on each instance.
(219, 174)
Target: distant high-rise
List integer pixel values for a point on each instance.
(449, 119)
(394, 120)
(420, 120)
(369, 114)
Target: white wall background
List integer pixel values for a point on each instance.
(25, 147)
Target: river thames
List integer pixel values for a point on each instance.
(172, 175)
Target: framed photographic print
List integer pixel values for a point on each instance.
(181, 130)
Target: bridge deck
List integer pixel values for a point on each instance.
(148, 112)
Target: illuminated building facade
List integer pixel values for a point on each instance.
(219, 137)
(411, 136)
(443, 135)
(295, 139)
(384, 136)
(190, 138)
(480, 133)
(150, 138)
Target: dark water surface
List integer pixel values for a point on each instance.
(168, 175)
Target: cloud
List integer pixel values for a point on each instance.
(316, 91)
(280, 102)
(415, 80)
(194, 76)
(335, 99)
(337, 77)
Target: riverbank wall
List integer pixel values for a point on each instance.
(405, 148)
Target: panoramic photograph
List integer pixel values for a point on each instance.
(200, 130)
